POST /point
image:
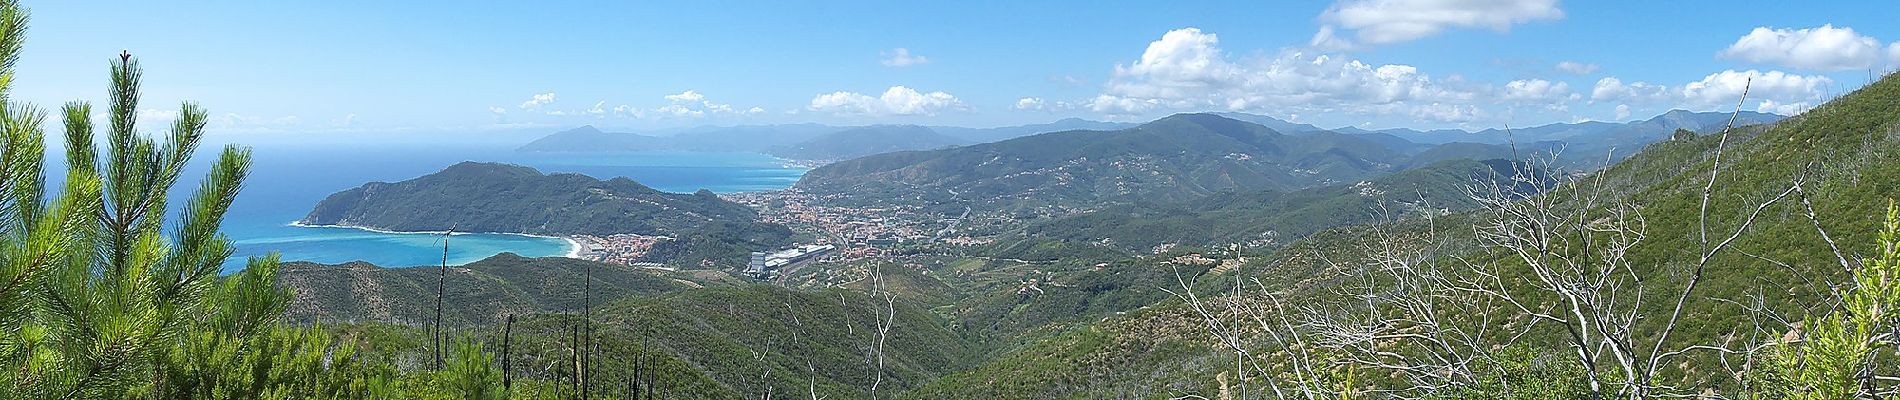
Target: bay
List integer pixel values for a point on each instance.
(287, 179)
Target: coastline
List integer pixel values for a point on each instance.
(573, 246)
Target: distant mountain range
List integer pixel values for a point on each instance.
(1581, 144)
(863, 141)
(1649, 130)
(798, 141)
(1175, 158)
(1588, 143)
(1187, 156)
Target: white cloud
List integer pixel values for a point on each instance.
(1454, 113)
(1622, 112)
(693, 104)
(599, 108)
(901, 57)
(1031, 104)
(497, 110)
(1071, 80)
(1893, 53)
(1824, 48)
(1772, 107)
(897, 100)
(1393, 21)
(1579, 68)
(1186, 69)
(1537, 90)
(629, 111)
(237, 121)
(1116, 105)
(538, 100)
(1613, 89)
(1787, 91)
(677, 110)
(1781, 92)
(688, 96)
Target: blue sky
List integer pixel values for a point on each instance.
(304, 68)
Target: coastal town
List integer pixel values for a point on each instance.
(827, 233)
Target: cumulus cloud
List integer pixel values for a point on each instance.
(1186, 69)
(1579, 68)
(1825, 48)
(538, 100)
(693, 104)
(1031, 104)
(678, 110)
(629, 111)
(901, 57)
(1772, 91)
(1789, 92)
(1622, 112)
(1393, 21)
(1613, 89)
(897, 100)
(1536, 90)
(1773, 107)
(1455, 113)
(688, 96)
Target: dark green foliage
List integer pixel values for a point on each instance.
(1521, 373)
(488, 197)
(1255, 217)
(1844, 151)
(725, 244)
(479, 293)
(758, 338)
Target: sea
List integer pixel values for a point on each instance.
(287, 179)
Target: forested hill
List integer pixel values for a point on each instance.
(1259, 217)
(484, 291)
(1771, 288)
(1180, 157)
(492, 197)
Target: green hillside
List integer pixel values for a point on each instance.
(483, 292)
(1175, 158)
(1260, 217)
(1844, 152)
(492, 197)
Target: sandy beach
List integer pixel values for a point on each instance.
(573, 246)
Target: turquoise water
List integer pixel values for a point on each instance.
(288, 179)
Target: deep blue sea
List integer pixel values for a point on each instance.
(288, 179)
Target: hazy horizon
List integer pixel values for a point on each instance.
(396, 69)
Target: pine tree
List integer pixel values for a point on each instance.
(98, 301)
(36, 236)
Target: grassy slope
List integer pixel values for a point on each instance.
(481, 292)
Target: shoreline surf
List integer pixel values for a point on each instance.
(573, 246)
